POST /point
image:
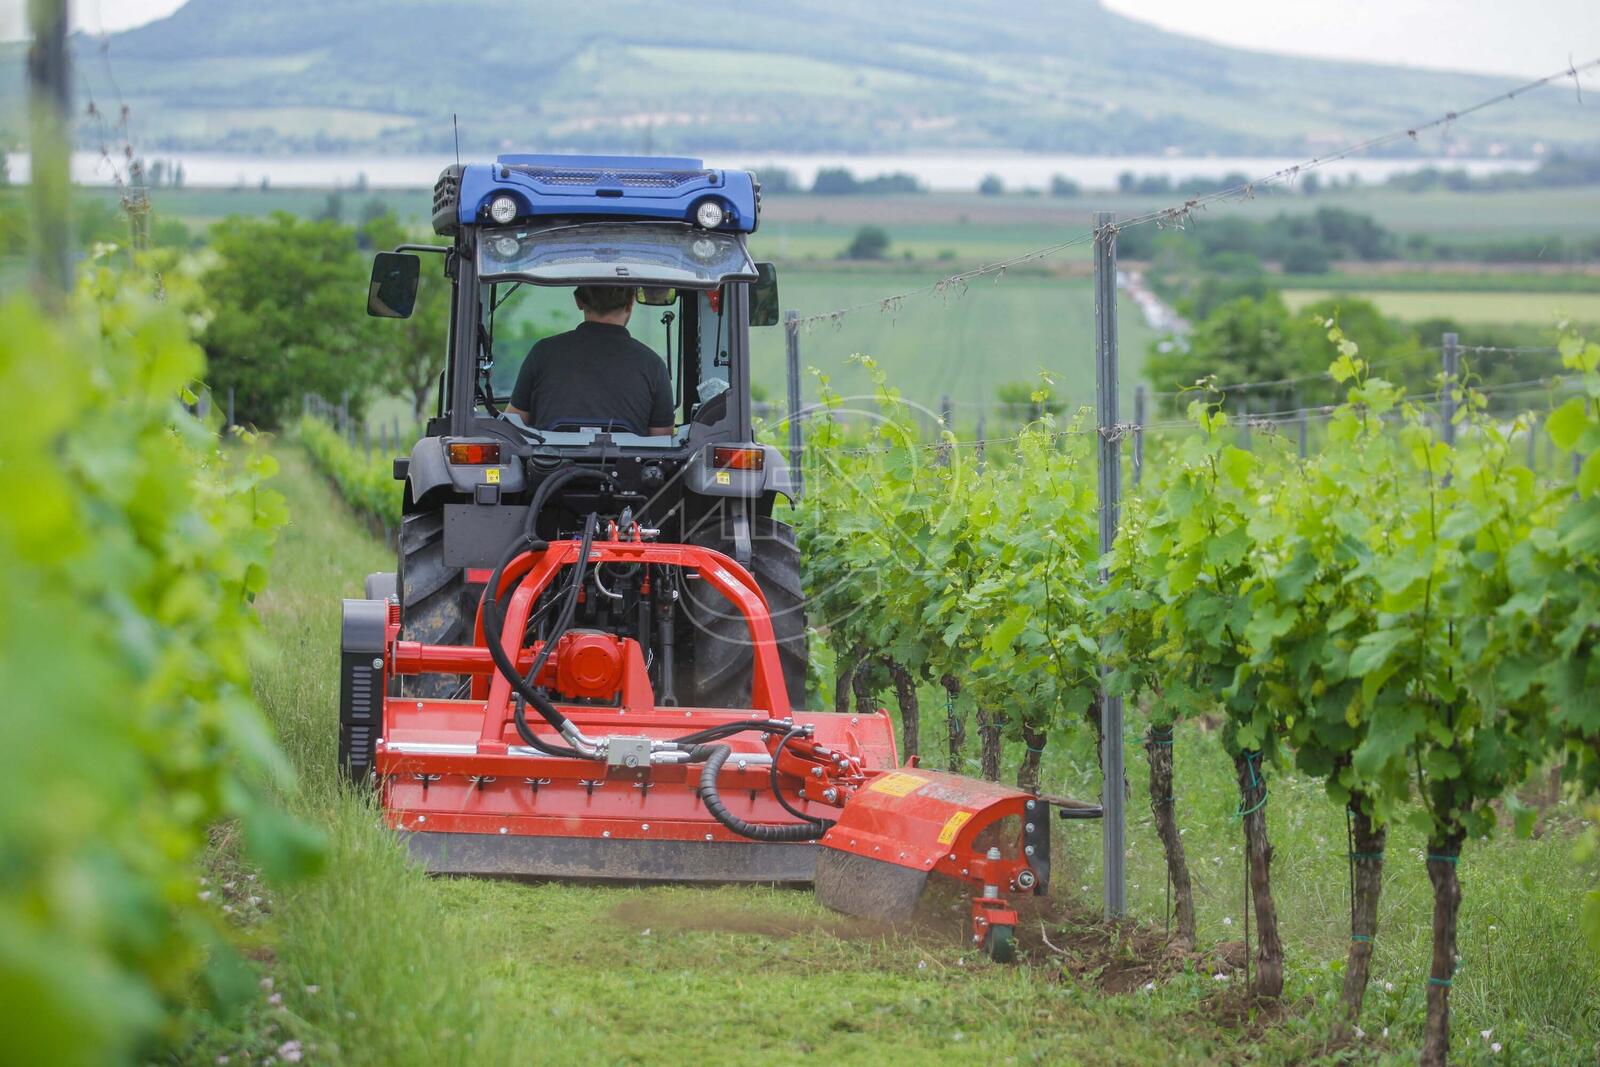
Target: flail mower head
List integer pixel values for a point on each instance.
(557, 762)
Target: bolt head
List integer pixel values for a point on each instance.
(504, 830)
(1028, 827)
(631, 761)
(1028, 851)
(377, 663)
(605, 833)
(644, 826)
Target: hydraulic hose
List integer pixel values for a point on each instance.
(778, 792)
(715, 757)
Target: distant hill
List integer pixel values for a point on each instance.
(764, 75)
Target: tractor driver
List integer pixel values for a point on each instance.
(595, 374)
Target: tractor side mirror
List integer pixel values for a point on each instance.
(764, 296)
(392, 293)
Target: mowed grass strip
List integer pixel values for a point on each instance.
(1543, 309)
(409, 969)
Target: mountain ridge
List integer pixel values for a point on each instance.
(669, 75)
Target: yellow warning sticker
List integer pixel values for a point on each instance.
(897, 784)
(492, 476)
(724, 478)
(952, 826)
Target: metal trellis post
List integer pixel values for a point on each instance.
(791, 337)
(1113, 827)
(1447, 396)
(49, 97)
(1139, 419)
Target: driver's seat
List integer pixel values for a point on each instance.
(608, 425)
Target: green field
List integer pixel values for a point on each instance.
(1543, 309)
(376, 964)
(962, 344)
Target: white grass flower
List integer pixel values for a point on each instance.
(1385, 1031)
(1360, 1033)
(1227, 920)
(313, 989)
(266, 983)
(1486, 1034)
(1388, 987)
(276, 1000)
(1219, 978)
(205, 895)
(289, 1052)
(1149, 987)
(1495, 1047)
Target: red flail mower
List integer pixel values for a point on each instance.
(556, 761)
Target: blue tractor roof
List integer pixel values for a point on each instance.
(594, 187)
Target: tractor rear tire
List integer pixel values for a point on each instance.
(436, 605)
(723, 659)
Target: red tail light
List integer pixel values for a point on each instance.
(724, 457)
(475, 453)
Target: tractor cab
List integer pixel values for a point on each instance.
(528, 229)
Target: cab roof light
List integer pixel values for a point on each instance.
(475, 453)
(726, 457)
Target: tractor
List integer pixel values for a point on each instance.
(588, 660)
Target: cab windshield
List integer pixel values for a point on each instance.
(690, 334)
(650, 253)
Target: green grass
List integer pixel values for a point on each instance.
(409, 970)
(1494, 280)
(963, 344)
(1471, 307)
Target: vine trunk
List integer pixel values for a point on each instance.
(1366, 882)
(1258, 854)
(1158, 750)
(1442, 854)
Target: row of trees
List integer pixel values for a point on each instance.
(1250, 337)
(1411, 622)
(286, 317)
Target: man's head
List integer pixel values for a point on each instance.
(605, 303)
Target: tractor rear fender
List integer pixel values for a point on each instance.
(702, 477)
(429, 476)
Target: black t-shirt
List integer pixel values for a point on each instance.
(596, 375)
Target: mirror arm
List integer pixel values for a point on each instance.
(441, 249)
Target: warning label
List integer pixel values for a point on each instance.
(952, 826)
(897, 784)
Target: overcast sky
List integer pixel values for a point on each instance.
(1520, 37)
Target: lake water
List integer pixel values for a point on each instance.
(954, 171)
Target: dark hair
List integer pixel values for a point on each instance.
(604, 299)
